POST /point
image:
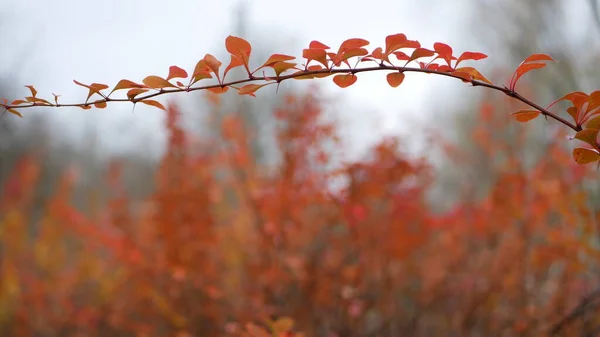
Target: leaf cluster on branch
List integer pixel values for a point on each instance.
(399, 56)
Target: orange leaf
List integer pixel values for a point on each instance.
(395, 79)
(585, 156)
(276, 58)
(352, 44)
(235, 62)
(420, 52)
(18, 102)
(154, 104)
(32, 89)
(176, 72)
(589, 136)
(593, 123)
(100, 105)
(526, 115)
(319, 55)
(94, 88)
(469, 56)
(397, 41)
(126, 84)
(280, 67)
(218, 90)
(250, 89)
(213, 64)
(14, 112)
(201, 71)
(240, 48)
(345, 80)
(474, 73)
(134, 92)
(156, 82)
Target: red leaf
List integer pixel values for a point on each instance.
(352, 44)
(444, 51)
(345, 80)
(317, 45)
(522, 70)
(397, 41)
(280, 67)
(32, 89)
(538, 57)
(201, 71)
(395, 79)
(469, 56)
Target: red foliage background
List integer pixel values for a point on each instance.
(225, 247)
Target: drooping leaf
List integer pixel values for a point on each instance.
(526, 115)
(250, 89)
(134, 92)
(344, 80)
(585, 156)
(218, 90)
(154, 104)
(14, 112)
(100, 105)
(395, 79)
(176, 72)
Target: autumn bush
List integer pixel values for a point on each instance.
(225, 247)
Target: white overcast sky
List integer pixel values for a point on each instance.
(105, 41)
